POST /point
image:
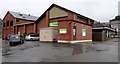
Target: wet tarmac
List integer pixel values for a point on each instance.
(35, 51)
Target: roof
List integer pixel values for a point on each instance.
(114, 20)
(23, 16)
(54, 5)
(23, 24)
(98, 24)
(103, 28)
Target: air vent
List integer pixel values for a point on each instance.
(28, 14)
(23, 17)
(20, 14)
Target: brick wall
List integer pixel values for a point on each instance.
(41, 24)
(79, 28)
(65, 36)
(23, 21)
(66, 24)
(29, 28)
(8, 29)
(20, 29)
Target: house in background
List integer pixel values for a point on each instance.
(72, 27)
(116, 25)
(102, 31)
(17, 23)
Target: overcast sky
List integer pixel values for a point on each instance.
(99, 10)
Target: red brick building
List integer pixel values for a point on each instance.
(14, 23)
(72, 27)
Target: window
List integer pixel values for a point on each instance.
(17, 20)
(74, 30)
(3, 24)
(83, 32)
(34, 35)
(7, 23)
(11, 23)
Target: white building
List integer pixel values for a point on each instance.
(116, 25)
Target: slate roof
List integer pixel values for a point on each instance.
(23, 16)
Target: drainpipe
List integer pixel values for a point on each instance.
(24, 29)
(35, 27)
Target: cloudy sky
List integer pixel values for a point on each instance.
(99, 10)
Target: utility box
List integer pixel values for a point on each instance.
(49, 34)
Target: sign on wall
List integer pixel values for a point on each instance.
(63, 30)
(53, 24)
(83, 32)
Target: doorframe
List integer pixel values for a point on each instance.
(74, 36)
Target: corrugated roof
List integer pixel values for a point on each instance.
(23, 16)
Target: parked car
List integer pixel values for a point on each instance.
(15, 39)
(32, 37)
(116, 36)
(8, 36)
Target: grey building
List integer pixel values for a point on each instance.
(102, 32)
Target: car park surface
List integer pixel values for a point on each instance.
(35, 51)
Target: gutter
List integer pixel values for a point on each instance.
(104, 28)
(23, 24)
